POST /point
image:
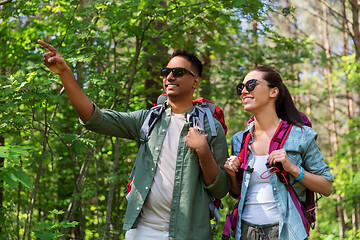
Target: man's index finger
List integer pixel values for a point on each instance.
(48, 46)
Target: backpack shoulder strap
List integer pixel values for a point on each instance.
(200, 110)
(150, 120)
(152, 117)
(145, 130)
(276, 143)
(280, 136)
(243, 154)
(231, 219)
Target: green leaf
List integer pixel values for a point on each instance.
(48, 235)
(57, 212)
(16, 175)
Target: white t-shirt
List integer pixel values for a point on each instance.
(155, 213)
(260, 207)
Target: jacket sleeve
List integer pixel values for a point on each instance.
(221, 186)
(313, 159)
(117, 124)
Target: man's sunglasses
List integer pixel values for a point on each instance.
(249, 85)
(177, 72)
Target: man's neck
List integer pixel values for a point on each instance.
(180, 106)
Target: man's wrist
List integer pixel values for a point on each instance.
(67, 71)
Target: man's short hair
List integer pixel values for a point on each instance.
(195, 62)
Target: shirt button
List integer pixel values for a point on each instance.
(146, 188)
(152, 169)
(138, 208)
(157, 149)
(163, 130)
(274, 188)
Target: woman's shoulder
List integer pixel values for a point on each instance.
(304, 132)
(238, 137)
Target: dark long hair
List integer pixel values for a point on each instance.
(285, 107)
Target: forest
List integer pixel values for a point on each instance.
(60, 181)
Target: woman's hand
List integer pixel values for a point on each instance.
(280, 156)
(314, 182)
(232, 165)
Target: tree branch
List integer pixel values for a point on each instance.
(5, 2)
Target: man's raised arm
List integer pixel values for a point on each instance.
(56, 63)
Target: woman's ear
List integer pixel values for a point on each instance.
(274, 92)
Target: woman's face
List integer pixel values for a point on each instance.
(260, 97)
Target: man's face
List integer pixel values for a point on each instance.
(183, 86)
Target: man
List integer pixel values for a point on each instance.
(169, 196)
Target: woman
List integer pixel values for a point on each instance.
(266, 210)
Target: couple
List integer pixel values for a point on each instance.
(179, 167)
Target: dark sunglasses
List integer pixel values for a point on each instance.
(177, 72)
(249, 85)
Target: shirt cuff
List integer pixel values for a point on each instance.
(221, 186)
(95, 118)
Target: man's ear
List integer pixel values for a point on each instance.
(196, 82)
(274, 92)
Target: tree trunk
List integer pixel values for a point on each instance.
(139, 46)
(307, 95)
(340, 213)
(355, 25)
(28, 219)
(340, 210)
(349, 93)
(76, 196)
(205, 85)
(327, 72)
(292, 32)
(112, 189)
(153, 84)
(2, 160)
(254, 41)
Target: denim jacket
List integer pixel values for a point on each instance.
(189, 217)
(302, 149)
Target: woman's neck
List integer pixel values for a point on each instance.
(266, 122)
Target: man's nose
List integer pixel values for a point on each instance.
(170, 76)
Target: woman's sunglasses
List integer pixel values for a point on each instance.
(177, 72)
(249, 85)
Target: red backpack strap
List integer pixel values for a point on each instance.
(277, 142)
(280, 136)
(231, 219)
(243, 155)
(299, 207)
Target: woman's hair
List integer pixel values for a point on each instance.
(285, 108)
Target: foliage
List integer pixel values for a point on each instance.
(55, 175)
(11, 174)
(47, 230)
